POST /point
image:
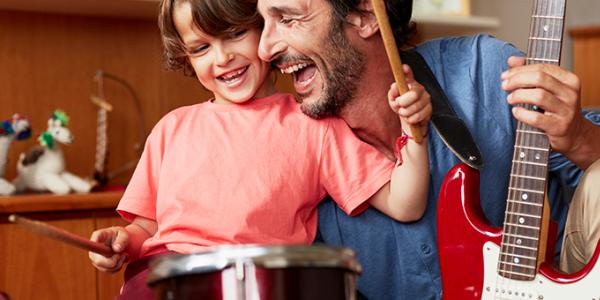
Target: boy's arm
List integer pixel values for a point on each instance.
(126, 242)
(405, 197)
(139, 231)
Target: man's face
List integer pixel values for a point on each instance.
(301, 38)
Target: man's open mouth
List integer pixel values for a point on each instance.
(302, 72)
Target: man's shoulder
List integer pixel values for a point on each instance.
(460, 48)
(462, 43)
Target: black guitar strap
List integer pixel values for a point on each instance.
(446, 123)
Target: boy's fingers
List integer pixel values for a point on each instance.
(120, 241)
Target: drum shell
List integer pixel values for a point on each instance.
(254, 278)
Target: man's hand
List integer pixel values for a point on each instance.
(556, 91)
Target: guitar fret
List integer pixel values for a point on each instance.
(530, 131)
(521, 247)
(521, 236)
(545, 39)
(524, 215)
(528, 163)
(517, 265)
(547, 17)
(518, 255)
(525, 203)
(528, 177)
(531, 148)
(526, 190)
(516, 273)
(536, 228)
(543, 60)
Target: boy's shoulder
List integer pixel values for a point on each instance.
(174, 117)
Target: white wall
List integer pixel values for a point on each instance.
(514, 16)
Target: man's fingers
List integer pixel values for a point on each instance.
(540, 74)
(516, 61)
(537, 97)
(536, 81)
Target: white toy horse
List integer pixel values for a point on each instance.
(16, 128)
(43, 168)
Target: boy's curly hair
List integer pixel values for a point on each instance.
(213, 17)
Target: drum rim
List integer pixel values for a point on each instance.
(269, 257)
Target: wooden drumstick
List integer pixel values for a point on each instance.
(61, 235)
(393, 56)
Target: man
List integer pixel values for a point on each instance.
(336, 56)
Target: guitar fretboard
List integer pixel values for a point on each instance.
(527, 185)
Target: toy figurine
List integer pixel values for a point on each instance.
(43, 168)
(17, 128)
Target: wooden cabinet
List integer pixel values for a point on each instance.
(586, 63)
(36, 267)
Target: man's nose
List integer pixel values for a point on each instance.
(270, 44)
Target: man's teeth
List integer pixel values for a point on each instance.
(293, 68)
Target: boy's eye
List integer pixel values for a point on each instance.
(198, 49)
(238, 33)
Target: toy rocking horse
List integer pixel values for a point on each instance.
(17, 128)
(43, 168)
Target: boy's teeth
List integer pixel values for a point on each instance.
(229, 76)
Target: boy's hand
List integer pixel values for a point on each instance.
(118, 239)
(414, 107)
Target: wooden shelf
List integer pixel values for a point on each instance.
(135, 9)
(431, 26)
(53, 203)
(585, 32)
(475, 22)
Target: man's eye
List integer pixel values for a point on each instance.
(285, 20)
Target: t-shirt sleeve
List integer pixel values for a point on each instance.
(351, 170)
(139, 198)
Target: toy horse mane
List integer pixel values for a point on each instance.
(58, 119)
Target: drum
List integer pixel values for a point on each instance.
(257, 273)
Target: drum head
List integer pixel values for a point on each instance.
(270, 257)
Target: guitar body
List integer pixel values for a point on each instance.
(469, 251)
(462, 234)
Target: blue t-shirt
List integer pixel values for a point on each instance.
(400, 260)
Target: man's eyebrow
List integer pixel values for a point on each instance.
(283, 10)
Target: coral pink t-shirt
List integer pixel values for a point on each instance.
(215, 174)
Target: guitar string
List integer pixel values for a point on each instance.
(506, 250)
(521, 139)
(550, 49)
(498, 290)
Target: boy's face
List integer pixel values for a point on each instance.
(227, 66)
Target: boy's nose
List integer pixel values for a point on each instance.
(224, 56)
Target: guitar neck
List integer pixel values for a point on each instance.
(527, 186)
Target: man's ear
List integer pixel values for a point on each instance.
(364, 23)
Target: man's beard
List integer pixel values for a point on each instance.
(342, 80)
(347, 64)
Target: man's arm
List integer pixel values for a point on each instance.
(557, 91)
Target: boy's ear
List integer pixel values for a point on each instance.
(364, 23)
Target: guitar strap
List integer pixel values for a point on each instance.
(451, 129)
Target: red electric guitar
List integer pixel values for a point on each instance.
(478, 261)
